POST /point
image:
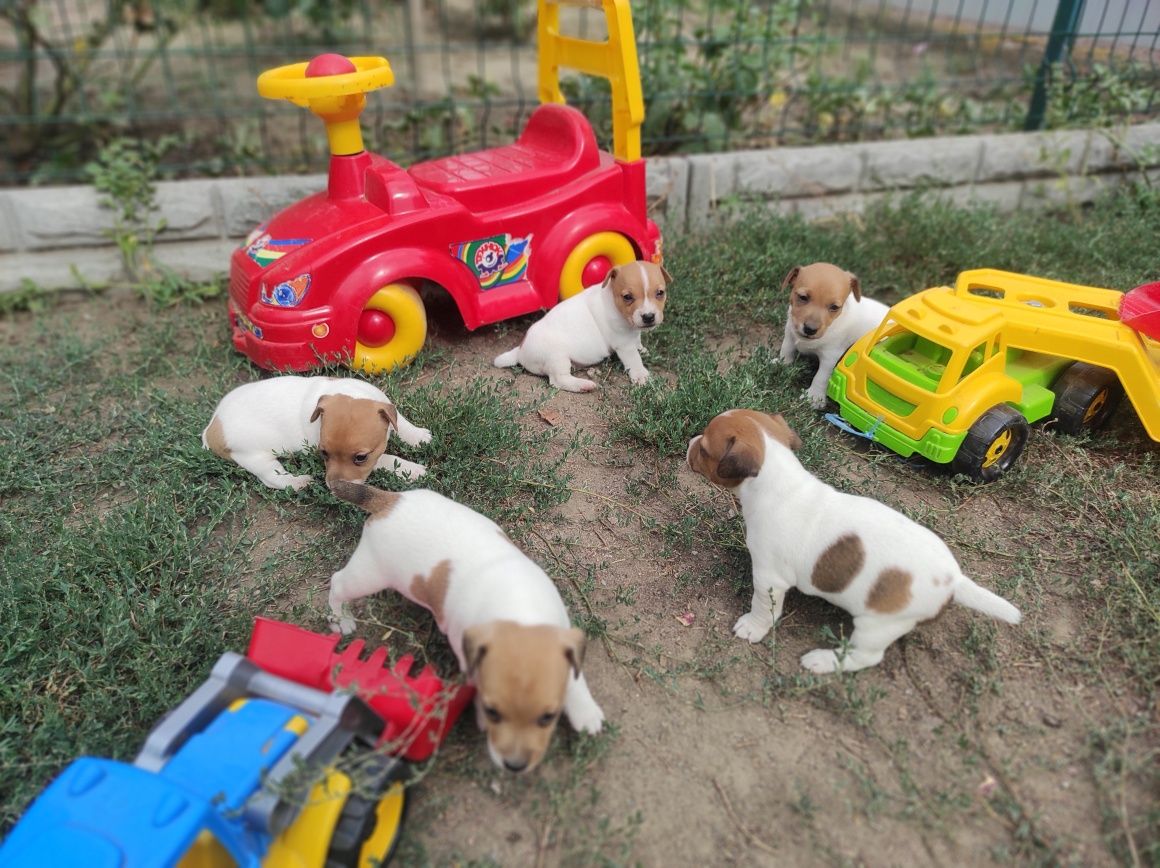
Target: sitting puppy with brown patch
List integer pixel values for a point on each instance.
(887, 571)
(348, 420)
(827, 313)
(585, 329)
(501, 613)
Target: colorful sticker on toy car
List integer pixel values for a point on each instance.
(288, 293)
(495, 261)
(263, 249)
(244, 322)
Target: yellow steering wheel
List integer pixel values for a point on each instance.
(334, 88)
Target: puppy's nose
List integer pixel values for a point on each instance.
(809, 330)
(515, 765)
(648, 318)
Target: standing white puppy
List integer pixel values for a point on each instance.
(501, 613)
(585, 329)
(348, 420)
(887, 571)
(827, 313)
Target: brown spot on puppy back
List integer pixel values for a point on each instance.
(215, 438)
(839, 564)
(891, 591)
(430, 591)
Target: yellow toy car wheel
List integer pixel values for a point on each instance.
(591, 259)
(992, 445)
(367, 832)
(1086, 396)
(392, 328)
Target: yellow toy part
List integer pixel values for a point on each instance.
(611, 245)
(334, 88)
(1075, 322)
(306, 843)
(406, 329)
(614, 59)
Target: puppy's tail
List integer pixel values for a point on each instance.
(508, 359)
(373, 500)
(968, 594)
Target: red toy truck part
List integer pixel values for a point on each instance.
(1140, 308)
(419, 710)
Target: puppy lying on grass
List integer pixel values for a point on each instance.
(585, 329)
(348, 420)
(827, 313)
(501, 613)
(887, 571)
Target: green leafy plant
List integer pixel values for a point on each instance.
(125, 172)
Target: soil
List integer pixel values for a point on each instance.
(969, 743)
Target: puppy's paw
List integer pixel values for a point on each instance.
(345, 626)
(818, 402)
(298, 482)
(786, 358)
(820, 661)
(589, 720)
(639, 378)
(422, 435)
(751, 628)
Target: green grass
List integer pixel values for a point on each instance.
(130, 557)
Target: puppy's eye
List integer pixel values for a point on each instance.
(627, 299)
(546, 719)
(834, 308)
(802, 298)
(660, 293)
(491, 714)
(325, 454)
(361, 458)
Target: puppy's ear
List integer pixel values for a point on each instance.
(475, 641)
(575, 644)
(855, 286)
(389, 414)
(738, 461)
(611, 276)
(319, 407)
(791, 277)
(791, 438)
(668, 277)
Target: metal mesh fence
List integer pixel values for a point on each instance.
(717, 74)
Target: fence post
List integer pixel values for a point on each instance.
(1063, 29)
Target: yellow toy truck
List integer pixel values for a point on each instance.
(956, 374)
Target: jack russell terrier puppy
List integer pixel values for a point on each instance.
(348, 420)
(827, 313)
(887, 571)
(501, 613)
(585, 329)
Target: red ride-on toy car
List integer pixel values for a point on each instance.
(504, 231)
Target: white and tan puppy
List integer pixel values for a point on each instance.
(348, 420)
(827, 313)
(587, 328)
(884, 569)
(501, 613)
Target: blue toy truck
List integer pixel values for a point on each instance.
(241, 773)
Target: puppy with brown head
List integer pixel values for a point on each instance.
(352, 435)
(604, 318)
(349, 420)
(826, 314)
(889, 572)
(521, 675)
(501, 613)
